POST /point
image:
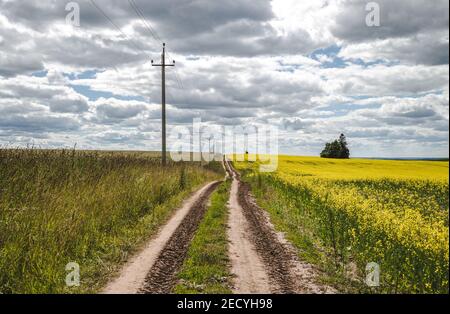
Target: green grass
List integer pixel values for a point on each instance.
(206, 269)
(92, 208)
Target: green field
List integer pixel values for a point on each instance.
(92, 208)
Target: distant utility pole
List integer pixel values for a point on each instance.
(246, 143)
(163, 66)
(211, 151)
(223, 143)
(209, 145)
(200, 145)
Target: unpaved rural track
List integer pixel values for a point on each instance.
(276, 267)
(162, 276)
(249, 272)
(153, 270)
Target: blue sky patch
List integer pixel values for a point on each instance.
(42, 73)
(332, 53)
(94, 94)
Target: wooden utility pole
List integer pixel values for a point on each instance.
(163, 66)
(200, 145)
(223, 143)
(209, 147)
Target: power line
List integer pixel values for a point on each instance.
(141, 16)
(178, 79)
(117, 27)
(138, 48)
(154, 34)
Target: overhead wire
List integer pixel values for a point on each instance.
(116, 26)
(148, 27)
(103, 13)
(154, 35)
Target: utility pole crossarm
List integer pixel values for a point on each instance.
(163, 66)
(163, 59)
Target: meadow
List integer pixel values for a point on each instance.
(92, 208)
(344, 214)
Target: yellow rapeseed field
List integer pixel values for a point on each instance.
(394, 213)
(351, 169)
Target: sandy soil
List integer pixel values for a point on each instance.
(132, 277)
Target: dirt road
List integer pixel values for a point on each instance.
(249, 272)
(262, 260)
(153, 270)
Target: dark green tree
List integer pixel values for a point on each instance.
(344, 152)
(336, 149)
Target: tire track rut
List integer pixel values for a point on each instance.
(162, 276)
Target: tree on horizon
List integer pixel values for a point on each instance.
(336, 149)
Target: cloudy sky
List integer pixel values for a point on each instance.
(312, 68)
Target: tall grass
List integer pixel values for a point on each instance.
(92, 208)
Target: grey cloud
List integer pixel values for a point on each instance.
(246, 39)
(189, 18)
(57, 97)
(118, 112)
(13, 64)
(35, 14)
(37, 123)
(172, 17)
(390, 135)
(368, 133)
(91, 51)
(408, 112)
(10, 106)
(423, 48)
(134, 140)
(87, 47)
(228, 27)
(399, 18)
(414, 31)
(426, 48)
(296, 124)
(260, 91)
(418, 113)
(15, 61)
(383, 80)
(68, 104)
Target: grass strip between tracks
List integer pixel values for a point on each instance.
(206, 268)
